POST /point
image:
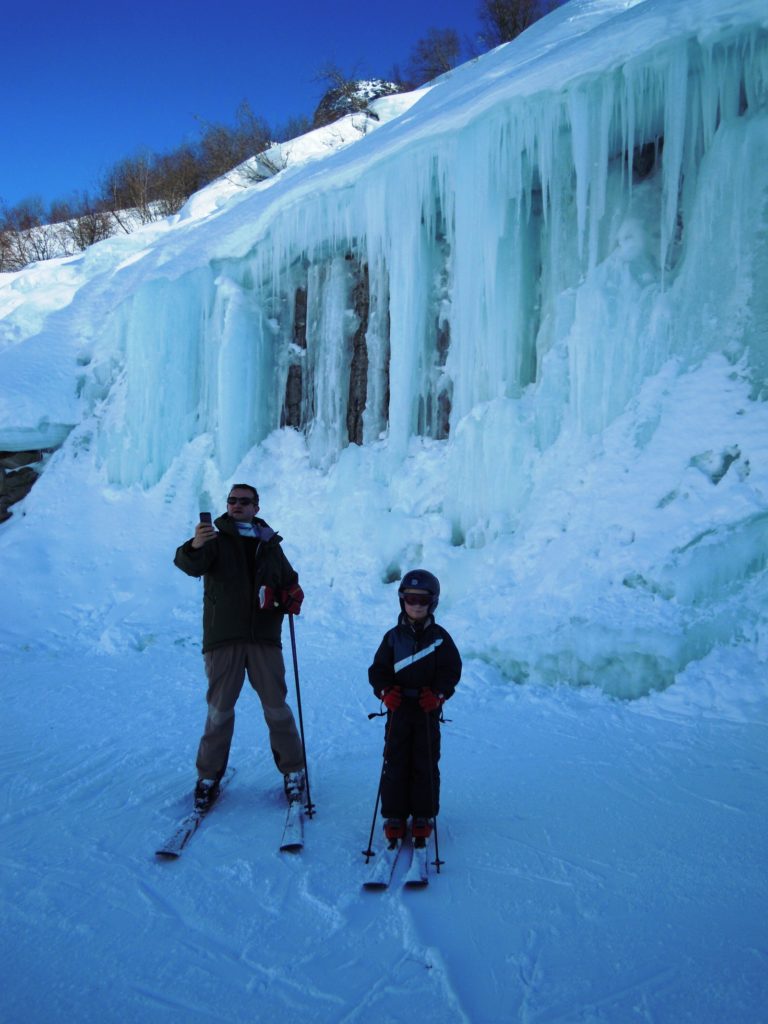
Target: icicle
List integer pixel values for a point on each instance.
(244, 404)
(581, 145)
(675, 108)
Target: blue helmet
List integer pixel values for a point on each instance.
(420, 579)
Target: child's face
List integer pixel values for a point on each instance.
(416, 612)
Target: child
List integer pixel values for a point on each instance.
(415, 669)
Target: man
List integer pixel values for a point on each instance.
(249, 586)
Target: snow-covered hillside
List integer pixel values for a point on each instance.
(517, 334)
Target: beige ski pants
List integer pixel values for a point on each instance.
(226, 669)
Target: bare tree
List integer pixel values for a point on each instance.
(15, 224)
(27, 214)
(401, 80)
(27, 234)
(91, 222)
(223, 147)
(293, 128)
(128, 186)
(504, 20)
(176, 176)
(60, 211)
(434, 54)
(6, 251)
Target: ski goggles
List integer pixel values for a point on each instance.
(420, 600)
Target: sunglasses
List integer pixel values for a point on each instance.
(240, 501)
(421, 600)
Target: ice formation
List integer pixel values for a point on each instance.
(461, 262)
(527, 272)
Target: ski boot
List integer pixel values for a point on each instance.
(206, 791)
(421, 829)
(394, 829)
(294, 783)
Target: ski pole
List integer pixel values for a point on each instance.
(437, 862)
(310, 807)
(370, 852)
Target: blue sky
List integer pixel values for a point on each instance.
(87, 83)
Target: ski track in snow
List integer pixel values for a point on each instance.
(600, 865)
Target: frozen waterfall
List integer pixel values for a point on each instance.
(525, 265)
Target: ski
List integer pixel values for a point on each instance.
(417, 876)
(383, 867)
(293, 832)
(172, 848)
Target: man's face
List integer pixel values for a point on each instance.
(241, 505)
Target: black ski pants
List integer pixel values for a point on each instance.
(410, 783)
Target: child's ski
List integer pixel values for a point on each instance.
(418, 870)
(172, 848)
(383, 867)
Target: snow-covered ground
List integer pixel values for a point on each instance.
(597, 515)
(604, 861)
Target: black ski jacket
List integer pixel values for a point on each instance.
(413, 657)
(234, 568)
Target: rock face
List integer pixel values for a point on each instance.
(350, 97)
(19, 471)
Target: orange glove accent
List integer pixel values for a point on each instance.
(429, 700)
(291, 599)
(392, 698)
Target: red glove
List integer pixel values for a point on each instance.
(291, 599)
(429, 700)
(392, 698)
(267, 600)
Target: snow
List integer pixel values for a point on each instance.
(602, 859)
(565, 421)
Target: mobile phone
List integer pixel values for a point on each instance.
(205, 517)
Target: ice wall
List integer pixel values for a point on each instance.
(554, 248)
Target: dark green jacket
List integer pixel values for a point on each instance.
(234, 568)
